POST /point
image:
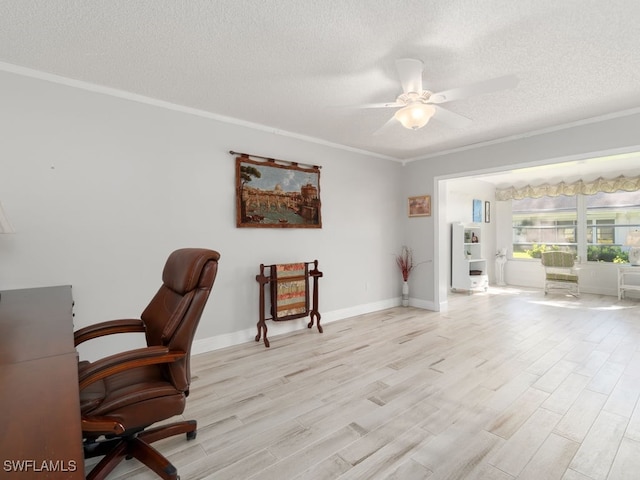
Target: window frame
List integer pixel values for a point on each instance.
(582, 225)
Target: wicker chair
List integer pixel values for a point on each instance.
(560, 272)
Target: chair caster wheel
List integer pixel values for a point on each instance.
(192, 435)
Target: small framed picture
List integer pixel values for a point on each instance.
(420, 206)
(477, 211)
(487, 212)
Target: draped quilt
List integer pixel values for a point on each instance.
(289, 295)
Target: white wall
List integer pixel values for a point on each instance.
(605, 136)
(459, 197)
(101, 189)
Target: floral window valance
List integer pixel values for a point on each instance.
(627, 184)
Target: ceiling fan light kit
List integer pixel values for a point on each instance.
(415, 116)
(416, 105)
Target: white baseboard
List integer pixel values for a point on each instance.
(217, 342)
(425, 304)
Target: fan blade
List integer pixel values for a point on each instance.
(450, 118)
(410, 74)
(487, 86)
(382, 105)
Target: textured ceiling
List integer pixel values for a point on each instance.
(292, 65)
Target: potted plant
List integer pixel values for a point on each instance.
(405, 263)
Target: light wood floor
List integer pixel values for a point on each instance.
(509, 384)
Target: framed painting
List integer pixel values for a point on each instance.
(477, 211)
(271, 194)
(420, 206)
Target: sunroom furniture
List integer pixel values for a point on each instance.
(560, 272)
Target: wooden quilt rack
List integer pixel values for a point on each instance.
(289, 294)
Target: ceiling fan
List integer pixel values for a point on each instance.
(416, 106)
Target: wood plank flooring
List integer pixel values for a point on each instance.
(509, 384)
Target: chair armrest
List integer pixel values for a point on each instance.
(120, 362)
(101, 425)
(110, 327)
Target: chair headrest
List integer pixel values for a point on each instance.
(557, 259)
(183, 268)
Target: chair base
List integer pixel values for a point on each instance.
(137, 445)
(567, 287)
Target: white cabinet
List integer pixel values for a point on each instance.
(628, 279)
(468, 268)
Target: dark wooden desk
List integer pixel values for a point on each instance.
(39, 403)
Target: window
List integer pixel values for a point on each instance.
(610, 216)
(602, 231)
(552, 223)
(545, 223)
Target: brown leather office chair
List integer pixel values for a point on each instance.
(123, 394)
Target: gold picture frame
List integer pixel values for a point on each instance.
(419, 206)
